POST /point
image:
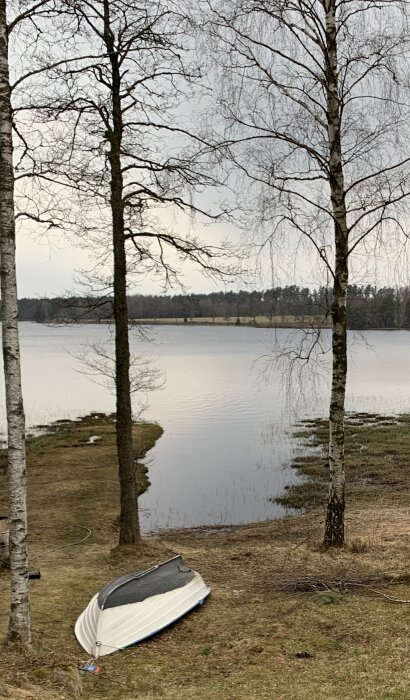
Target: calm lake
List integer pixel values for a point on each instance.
(228, 422)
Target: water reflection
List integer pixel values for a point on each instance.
(227, 436)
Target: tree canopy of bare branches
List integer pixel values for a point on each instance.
(316, 114)
(112, 144)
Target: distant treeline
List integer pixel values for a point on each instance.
(368, 307)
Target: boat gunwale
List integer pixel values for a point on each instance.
(133, 577)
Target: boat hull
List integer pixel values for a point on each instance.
(104, 631)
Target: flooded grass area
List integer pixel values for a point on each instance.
(377, 449)
(285, 619)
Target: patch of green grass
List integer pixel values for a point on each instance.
(206, 650)
(329, 597)
(307, 495)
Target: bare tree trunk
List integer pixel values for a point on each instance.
(129, 520)
(334, 527)
(19, 627)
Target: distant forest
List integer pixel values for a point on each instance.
(368, 307)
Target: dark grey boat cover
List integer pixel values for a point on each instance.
(134, 588)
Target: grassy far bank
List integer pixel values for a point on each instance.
(258, 321)
(285, 620)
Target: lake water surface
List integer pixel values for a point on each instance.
(227, 442)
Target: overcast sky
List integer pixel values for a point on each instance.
(48, 267)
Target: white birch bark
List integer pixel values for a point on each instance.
(19, 627)
(334, 528)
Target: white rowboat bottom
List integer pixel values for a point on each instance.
(102, 632)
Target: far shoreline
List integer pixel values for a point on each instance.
(244, 322)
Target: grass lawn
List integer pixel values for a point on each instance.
(285, 620)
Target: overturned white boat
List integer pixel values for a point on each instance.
(135, 606)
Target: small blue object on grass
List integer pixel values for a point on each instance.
(89, 668)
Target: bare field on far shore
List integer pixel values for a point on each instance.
(259, 321)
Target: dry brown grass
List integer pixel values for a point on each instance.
(258, 637)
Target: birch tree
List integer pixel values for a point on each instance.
(19, 628)
(14, 16)
(316, 114)
(109, 107)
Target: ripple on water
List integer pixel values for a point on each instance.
(227, 437)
